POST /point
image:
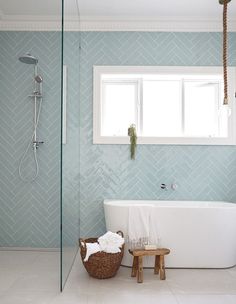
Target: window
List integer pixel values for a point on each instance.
(168, 105)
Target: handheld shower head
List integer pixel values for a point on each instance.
(38, 78)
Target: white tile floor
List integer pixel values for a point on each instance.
(33, 278)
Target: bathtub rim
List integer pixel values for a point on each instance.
(188, 204)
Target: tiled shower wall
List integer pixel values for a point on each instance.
(29, 212)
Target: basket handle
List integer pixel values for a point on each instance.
(120, 233)
(82, 243)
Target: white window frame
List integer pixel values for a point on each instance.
(98, 71)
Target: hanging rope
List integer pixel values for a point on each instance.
(225, 44)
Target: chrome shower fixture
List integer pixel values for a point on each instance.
(28, 59)
(37, 96)
(38, 78)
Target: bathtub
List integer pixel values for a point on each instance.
(200, 234)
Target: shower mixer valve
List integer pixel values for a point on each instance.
(36, 143)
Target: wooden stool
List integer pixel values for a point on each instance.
(137, 268)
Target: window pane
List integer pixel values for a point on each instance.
(201, 108)
(162, 108)
(119, 106)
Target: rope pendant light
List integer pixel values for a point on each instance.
(225, 45)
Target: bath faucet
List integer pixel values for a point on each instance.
(164, 187)
(173, 186)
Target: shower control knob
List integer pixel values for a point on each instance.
(174, 186)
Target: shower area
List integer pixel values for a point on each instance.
(37, 96)
(39, 141)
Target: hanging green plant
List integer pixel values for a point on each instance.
(133, 140)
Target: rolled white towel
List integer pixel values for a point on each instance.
(91, 249)
(111, 242)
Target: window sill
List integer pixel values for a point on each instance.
(119, 140)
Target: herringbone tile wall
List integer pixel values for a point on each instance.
(29, 212)
(201, 172)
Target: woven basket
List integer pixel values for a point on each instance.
(101, 265)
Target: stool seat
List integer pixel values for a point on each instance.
(138, 254)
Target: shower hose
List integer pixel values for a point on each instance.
(34, 151)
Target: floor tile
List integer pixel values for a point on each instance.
(201, 281)
(71, 297)
(12, 259)
(7, 279)
(124, 283)
(232, 271)
(205, 299)
(27, 298)
(131, 298)
(232, 299)
(36, 283)
(33, 278)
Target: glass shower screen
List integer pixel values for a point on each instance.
(69, 139)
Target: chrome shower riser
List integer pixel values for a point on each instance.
(36, 95)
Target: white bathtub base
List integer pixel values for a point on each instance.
(199, 234)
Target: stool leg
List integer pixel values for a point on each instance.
(140, 270)
(157, 264)
(134, 267)
(162, 268)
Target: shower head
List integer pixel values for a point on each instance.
(29, 59)
(38, 78)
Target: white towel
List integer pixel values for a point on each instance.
(139, 224)
(91, 249)
(154, 235)
(111, 242)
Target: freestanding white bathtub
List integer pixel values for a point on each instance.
(200, 234)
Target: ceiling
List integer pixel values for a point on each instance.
(119, 8)
(128, 10)
(154, 8)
